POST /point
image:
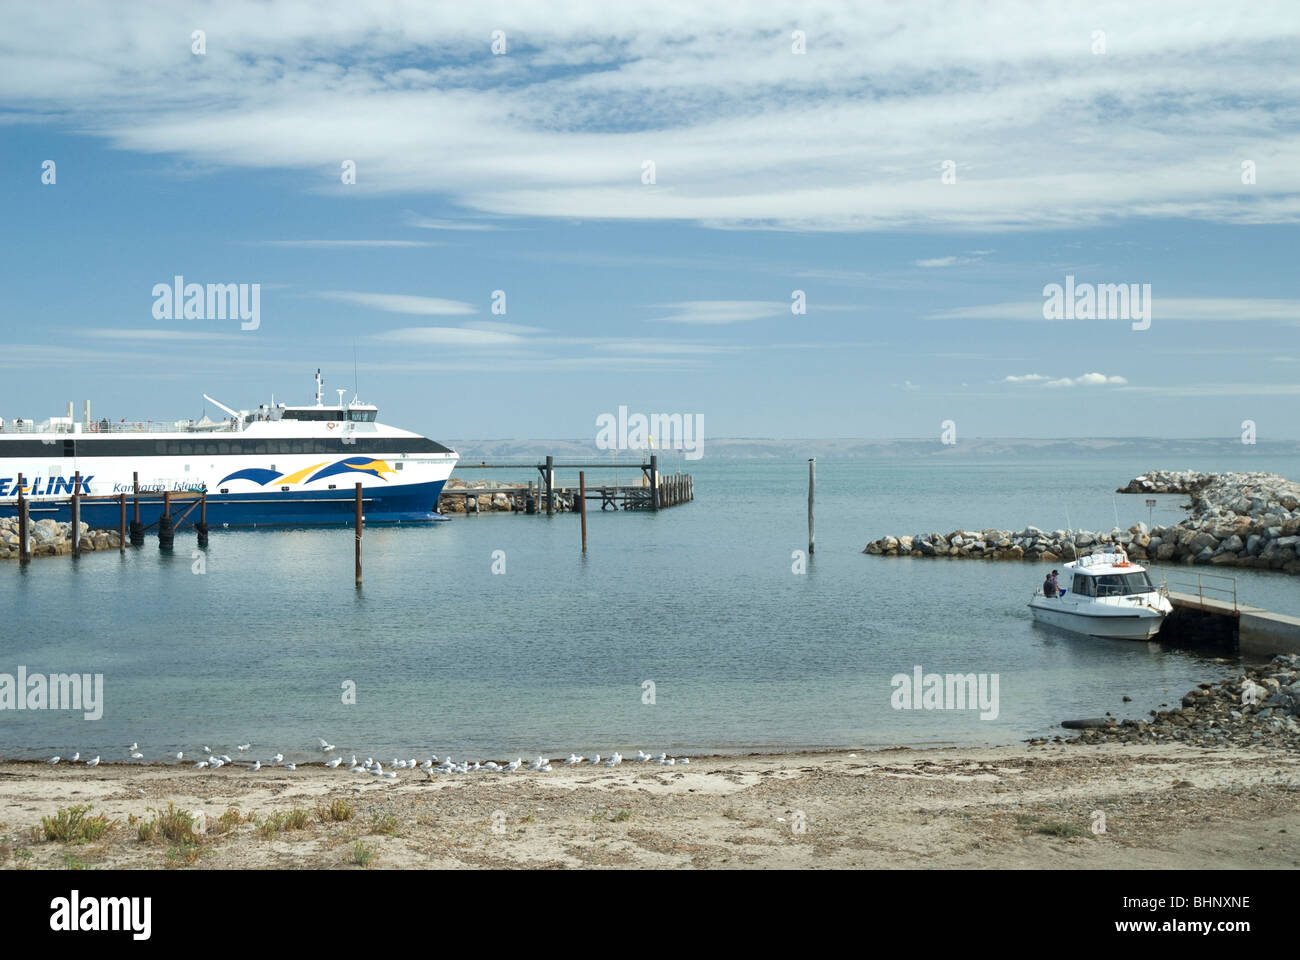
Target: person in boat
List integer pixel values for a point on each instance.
(1051, 588)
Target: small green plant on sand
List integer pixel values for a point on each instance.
(73, 826)
(1058, 829)
(337, 810)
(362, 855)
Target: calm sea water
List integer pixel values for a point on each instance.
(553, 655)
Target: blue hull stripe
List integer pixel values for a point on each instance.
(410, 503)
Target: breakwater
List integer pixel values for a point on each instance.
(49, 538)
(1235, 519)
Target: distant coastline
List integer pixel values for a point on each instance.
(848, 448)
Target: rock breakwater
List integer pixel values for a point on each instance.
(1235, 519)
(49, 538)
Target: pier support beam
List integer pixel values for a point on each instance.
(582, 506)
(121, 523)
(358, 520)
(812, 489)
(166, 529)
(201, 528)
(654, 481)
(137, 528)
(550, 485)
(76, 514)
(24, 548)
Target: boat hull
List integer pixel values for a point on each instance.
(405, 503)
(1142, 624)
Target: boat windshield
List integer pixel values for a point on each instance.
(1123, 584)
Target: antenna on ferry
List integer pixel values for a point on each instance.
(319, 381)
(340, 391)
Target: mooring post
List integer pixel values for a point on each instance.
(137, 528)
(582, 506)
(201, 528)
(76, 514)
(550, 485)
(23, 555)
(166, 531)
(121, 523)
(654, 481)
(812, 487)
(358, 522)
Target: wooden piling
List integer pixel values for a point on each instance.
(137, 528)
(358, 522)
(582, 506)
(76, 514)
(812, 488)
(166, 530)
(24, 548)
(201, 528)
(550, 485)
(654, 481)
(121, 523)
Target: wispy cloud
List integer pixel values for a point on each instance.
(744, 134)
(402, 303)
(432, 223)
(717, 312)
(1088, 380)
(347, 243)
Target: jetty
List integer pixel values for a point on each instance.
(653, 490)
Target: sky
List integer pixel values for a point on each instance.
(915, 174)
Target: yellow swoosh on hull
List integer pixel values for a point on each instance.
(297, 477)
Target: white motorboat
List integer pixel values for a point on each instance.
(1108, 596)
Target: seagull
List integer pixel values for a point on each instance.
(595, 760)
(93, 763)
(75, 757)
(328, 748)
(334, 763)
(207, 749)
(278, 758)
(291, 766)
(354, 760)
(257, 765)
(377, 771)
(53, 760)
(491, 765)
(357, 770)
(684, 760)
(200, 765)
(137, 755)
(391, 776)
(537, 764)
(427, 765)
(134, 746)
(226, 758)
(180, 756)
(243, 746)
(573, 760)
(514, 765)
(642, 756)
(615, 760)
(217, 763)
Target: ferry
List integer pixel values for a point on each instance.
(276, 465)
(1108, 596)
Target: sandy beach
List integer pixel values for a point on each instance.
(1164, 806)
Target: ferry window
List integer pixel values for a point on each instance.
(223, 447)
(261, 448)
(362, 416)
(398, 464)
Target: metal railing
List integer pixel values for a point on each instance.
(1224, 593)
(123, 426)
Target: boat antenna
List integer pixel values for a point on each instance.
(1074, 546)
